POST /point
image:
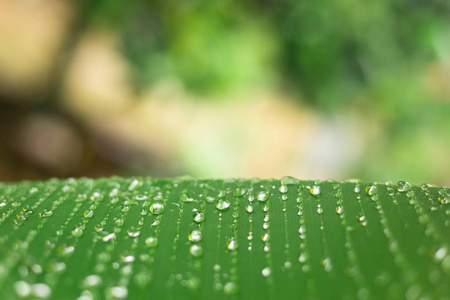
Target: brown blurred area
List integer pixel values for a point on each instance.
(70, 106)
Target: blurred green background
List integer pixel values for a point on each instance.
(312, 89)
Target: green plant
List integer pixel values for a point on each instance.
(146, 238)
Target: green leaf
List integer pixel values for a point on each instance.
(145, 238)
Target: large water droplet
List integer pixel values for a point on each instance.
(185, 198)
(88, 214)
(263, 196)
(199, 217)
(196, 251)
(283, 189)
(403, 186)
(232, 244)
(195, 236)
(133, 234)
(314, 190)
(157, 208)
(77, 232)
(286, 180)
(266, 271)
(230, 288)
(265, 237)
(151, 242)
(46, 213)
(222, 204)
(371, 190)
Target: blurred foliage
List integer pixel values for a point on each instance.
(329, 52)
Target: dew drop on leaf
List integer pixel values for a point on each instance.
(196, 251)
(157, 208)
(222, 204)
(314, 190)
(371, 190)
(195, 236)
(403, 186)
(263, 196)
(199, 217)
(151, 242)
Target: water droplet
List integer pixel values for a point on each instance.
(263, 196)
(77, 232)
(302, 257)
(232, 244)
(357, 189)
(196, 251)
(133, 185)
(319, 209)
(222, 204)
(46, 213)
(249, 208)
(199, 217)
(403, 186)
(265, 237)
(339, 210)
(151, 242)
(157, 208)
(266, 271)
(88, 214)
(195, 236)
(239, 192)
(230, 288)
(283, 189)
(314, 190)
(125, 209)
(287, 180)
(371, 190)
(185, 198)
(133, 234)
(108, 237)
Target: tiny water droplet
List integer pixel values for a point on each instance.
(371, 190)
(185, 198)
(314, 190)
(357, 189)
(151, 242)
(283, 189)
(266, 271)
(109, 237)
(195, 236)
(133, 234)
(265, 237)
(157, 208)
(263, 196)
(249, 208)
(88, 214)
(196, 250)
(339, 210)
(230, 288)
(288, 180)
(46, 213)
(77, 232)
(222, 204)
(232, 244)
(199, 217)
(403, 186)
